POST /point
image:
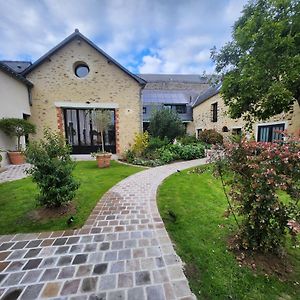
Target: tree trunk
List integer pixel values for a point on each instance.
(102, 141)
(18, 145)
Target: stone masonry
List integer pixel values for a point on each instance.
(122, 252)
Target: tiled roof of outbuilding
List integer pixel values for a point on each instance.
(210, 92)
(184, 78)
(17, 66)
(9, 71)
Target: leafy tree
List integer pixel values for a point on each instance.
(261, 65)
(166, 123)
(102, 120)
(16, 127)
(52, 169)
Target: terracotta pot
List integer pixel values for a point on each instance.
(16, 158)
(103, 160)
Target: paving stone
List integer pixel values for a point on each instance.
(5, 246)
(153, 252)
(160, 276)
(60, 241)
(51, 289)
(33, 244)
(111, 255)
(62, 250)
(19, 245)
(104, 246)
(116, 295)
(4, 255)
(95, 258)
(48, 262)
(86, 239)
(3, 265)
(84, 270)
(98, 296)
(133, 265)
(148, 264)
(136, 294)
(142, 278)
(100, 269)
(50, 274)
(155, 293)
(99, 238)
(125, 280)
(32, 292)
(116, 245)
(130, 243)
(66, 272)
(72, 240)
(124, 254)
(2, 276)
(32, 253)
(76, 248)
(89, 284)
(138, 253)
(181, 288)
(79, 259)
(15, 266)
(81, 297)
(64, 260)
(70, 287)
(90, 247)
(17, 254)
(107, 282)
(32, 264)
(31, 276)
(13, 279)
(117, 267)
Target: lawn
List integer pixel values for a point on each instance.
(199, 230)
(17, 198)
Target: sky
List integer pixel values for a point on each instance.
(145, 36)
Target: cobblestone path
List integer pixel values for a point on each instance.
(122, 252)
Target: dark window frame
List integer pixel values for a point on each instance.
(144, 110)
(214, 112)
(271, 128)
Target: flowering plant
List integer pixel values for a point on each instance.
(257, 172)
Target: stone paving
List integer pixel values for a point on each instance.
(122, 252)
(14, 172)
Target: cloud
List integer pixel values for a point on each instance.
(170, 36)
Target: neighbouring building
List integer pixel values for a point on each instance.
(14, 101)
(210, 112)
(63, 88)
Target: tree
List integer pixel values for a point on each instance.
(166, 123)
(102, 119)
(261, 65)
(52, 169)
(16, 127)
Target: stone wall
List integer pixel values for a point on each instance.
(106, 84)
(202, 118)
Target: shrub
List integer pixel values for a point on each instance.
(52, 170)
(140, 144)
(129, 156)
(16, 127)
(192, 152)
(211, 136)
(166, 155)
(166, 123)
(259, 171)
(148, 162)
(156, 143)
(188, 139)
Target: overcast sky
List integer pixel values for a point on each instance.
(146, 36)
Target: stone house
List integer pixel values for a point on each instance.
(63, 88)
(210, 112)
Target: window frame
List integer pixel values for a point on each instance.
(214, 112)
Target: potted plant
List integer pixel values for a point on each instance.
(102, 121)
(15, 127)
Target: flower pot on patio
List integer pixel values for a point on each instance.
(16, 157)
(103, 159)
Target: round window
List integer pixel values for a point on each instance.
(82, 70)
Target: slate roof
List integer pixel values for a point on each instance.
(185, 78)
(78, 35)
(17, 66)
(9, 71)
(168, 96)
(210, 92)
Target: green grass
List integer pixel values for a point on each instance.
(17, 198)
(199, 203)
